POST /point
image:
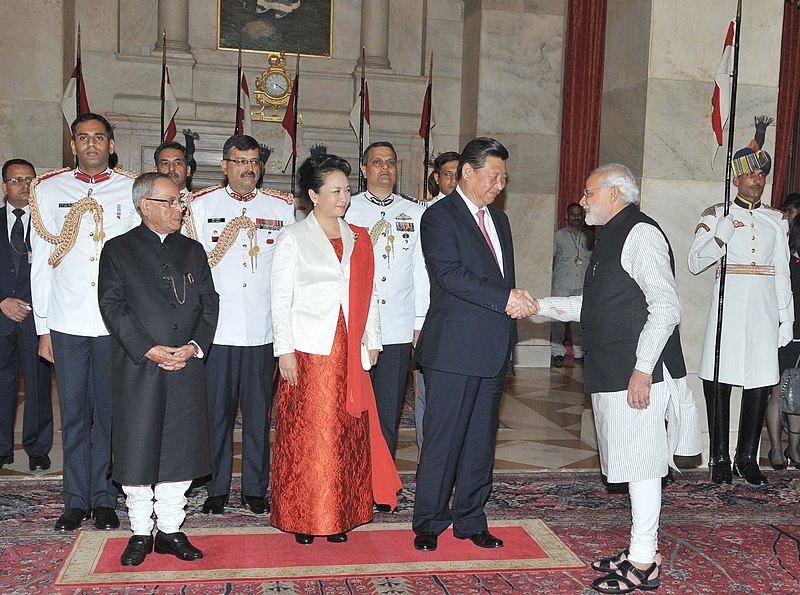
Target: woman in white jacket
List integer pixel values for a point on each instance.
(330, 460)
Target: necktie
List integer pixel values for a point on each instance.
(482, 225)
(17, 234)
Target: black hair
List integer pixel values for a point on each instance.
(792, 200)
(88, 117)
(574, 204)
(477, 150)
(11, 162)
(172, 145)
(311, 174)
(443, 158)
(242, 142)
(380, 143)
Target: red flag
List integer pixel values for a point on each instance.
(290, 125)
(170, 109)
(424, 124)
(244, 120)
(721, 99)
(68, 101)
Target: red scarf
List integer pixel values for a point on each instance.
(360, 397)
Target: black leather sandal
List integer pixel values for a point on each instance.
(618, 582)
(605, 564)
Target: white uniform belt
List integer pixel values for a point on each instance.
(748, 269)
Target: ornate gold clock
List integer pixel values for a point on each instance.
(273, 88)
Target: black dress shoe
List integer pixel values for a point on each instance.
(105, 518)
(484, 539)
(39, 463)
(214, 505)
(749, 471)
(426, 541)
(337, 538)
(71, 519)
(258, 504)
(178, 545)
(138, 547)
(721, 472)
(9, 460)
(383, 507)
(303, 538)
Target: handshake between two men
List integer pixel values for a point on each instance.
(521, 304)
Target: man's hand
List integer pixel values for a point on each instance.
(46, 348)
(521, 304)
(639, 389)
(785, 333)
(15, 309)
(287, 364)
(168, 358)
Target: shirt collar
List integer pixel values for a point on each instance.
(747, 204)
(96, 179)
(381, 202)
(241, 197)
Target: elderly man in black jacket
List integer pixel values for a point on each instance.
(158, 301)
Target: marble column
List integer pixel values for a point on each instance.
(173, 17)
(374, 33)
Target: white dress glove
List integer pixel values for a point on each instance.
(725, 229)
(785, 333)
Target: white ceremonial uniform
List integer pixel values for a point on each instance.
(400, 272)
(634, 444)
(758, 294)
(242, 281)
(65, 296)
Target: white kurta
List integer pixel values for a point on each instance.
(400, 272)
(65, 296)
(242, 282)
(754, 303)
(634, 444)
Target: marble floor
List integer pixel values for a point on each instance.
(540, 427)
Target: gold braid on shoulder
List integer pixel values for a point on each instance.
(65, 240)
(228, 237)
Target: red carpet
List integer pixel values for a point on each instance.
(265, 553)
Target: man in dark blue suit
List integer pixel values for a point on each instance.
(465, 347)
(19, 344)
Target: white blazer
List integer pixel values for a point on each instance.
(308, 287)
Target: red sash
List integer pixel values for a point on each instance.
(360, 397)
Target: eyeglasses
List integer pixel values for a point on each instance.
(243, 161)
(171, 202)
(588, 191)
(20, 180)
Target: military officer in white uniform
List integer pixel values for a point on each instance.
(758, 311)
(238, 225)
(403, 288)
(67, 315)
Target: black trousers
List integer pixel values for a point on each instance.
(20, 349)
(460, 427)
(389, 384)
(83, 372)
(241, 374)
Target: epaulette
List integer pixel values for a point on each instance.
(128, 173)
(286, 197)
(712, 210)
(410, 198)
(203, 191)
(50, 174)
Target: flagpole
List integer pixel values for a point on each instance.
(724, 260)
(429, 96)
(361, 122)
(294, 124)
(163, 78)
(79, 76)
(236, 129)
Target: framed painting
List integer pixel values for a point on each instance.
(291, 26)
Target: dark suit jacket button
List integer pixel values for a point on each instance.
(164, 265)
(174, 327)
(163, 247)
(172, 306)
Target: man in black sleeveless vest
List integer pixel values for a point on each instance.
(634, 365)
